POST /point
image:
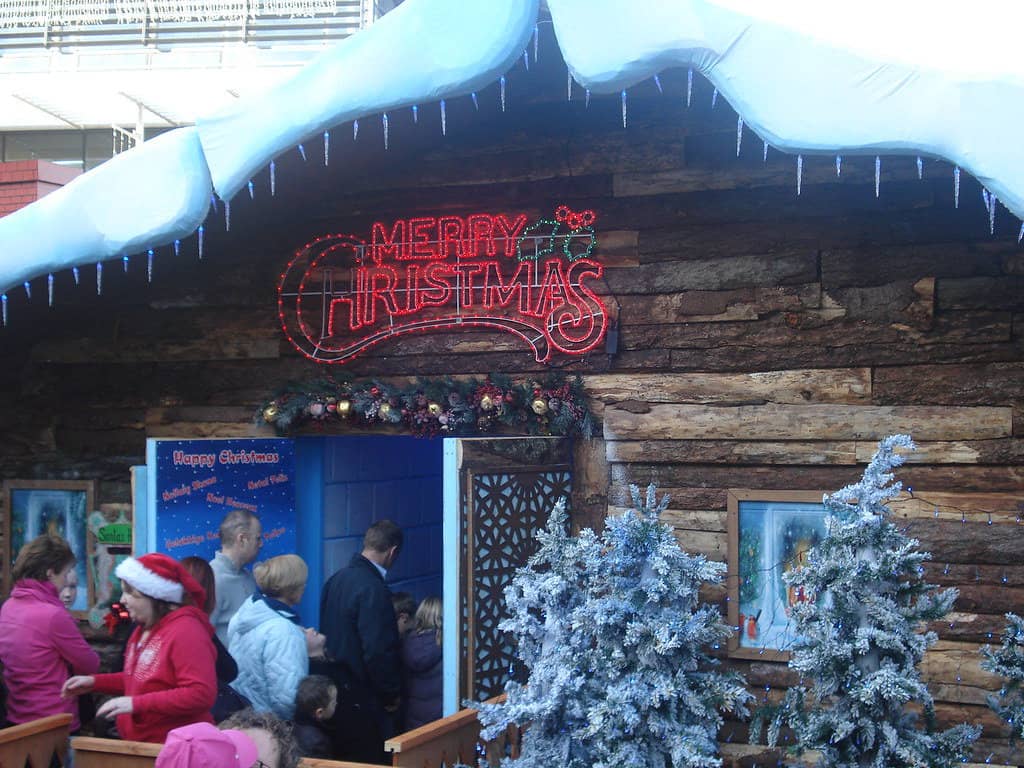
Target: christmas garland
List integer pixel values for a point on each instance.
(434, 408)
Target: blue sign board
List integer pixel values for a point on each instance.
(198, 482)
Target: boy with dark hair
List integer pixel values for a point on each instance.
(405, 611)
(315, 702)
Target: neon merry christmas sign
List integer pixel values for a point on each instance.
(340, 295)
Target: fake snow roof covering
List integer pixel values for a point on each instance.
(843, 77)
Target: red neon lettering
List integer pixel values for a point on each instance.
(510, 232)
(480, 231)
(467, 272)
(553, 292)
(412, 282)
(440, 290)
(430, 273)
(382, 244)
(421, 233)
(380, 287)
(499, 293)
(449, 235)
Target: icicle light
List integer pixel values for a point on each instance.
(501, 88)
(878, 175)
(799, 172)
(49, 289)
(78, 276)
(99, 278)
(839, 166)
(623, 108)
(327, 147)
(444, 119)
(149, 266)
(302, 151)
(739, 135)
(273, 179)
(384, 127)
(689, 87)
(956, 186)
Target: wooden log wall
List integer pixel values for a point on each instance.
(765, 340)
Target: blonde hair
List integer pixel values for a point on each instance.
(428, 616)
(281, 576)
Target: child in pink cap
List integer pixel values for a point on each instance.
(201, 745)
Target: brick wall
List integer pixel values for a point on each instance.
(25, 181)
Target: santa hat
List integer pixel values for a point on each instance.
(201, 745)
(161, 577)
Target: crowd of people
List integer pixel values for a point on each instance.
(219, 665)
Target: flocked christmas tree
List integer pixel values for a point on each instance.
(860, 641)
(617, 649)
(1007, 661)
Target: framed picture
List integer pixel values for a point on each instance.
(62, 507)
(109, 542)
(769, 534)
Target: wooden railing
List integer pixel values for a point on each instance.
(451, 739)
(443, 742)
(110, 753)
(35, 743)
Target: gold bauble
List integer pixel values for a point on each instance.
(486, 403)
(344, 408)
(270, 413)
(384, 410)
(539, 406)
(434, 409)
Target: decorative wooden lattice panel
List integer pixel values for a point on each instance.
(502, 512)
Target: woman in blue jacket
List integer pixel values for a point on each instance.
(267, 640)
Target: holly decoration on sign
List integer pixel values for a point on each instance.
(432, 407)
(571, 232)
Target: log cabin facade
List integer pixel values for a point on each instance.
(763, 340)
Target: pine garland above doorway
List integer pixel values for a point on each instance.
(435, 407)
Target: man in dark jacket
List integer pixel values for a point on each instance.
(362, 641)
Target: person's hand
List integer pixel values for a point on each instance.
(77, 685)
(120, 705)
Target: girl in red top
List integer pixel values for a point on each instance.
(169, 677)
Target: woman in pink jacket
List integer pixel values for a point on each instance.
(39, 639)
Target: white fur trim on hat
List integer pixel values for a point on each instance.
(142, 574)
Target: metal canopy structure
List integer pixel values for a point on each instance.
(104, 62)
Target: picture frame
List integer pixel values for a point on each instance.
(768, 533)
(61, 506)
(108, 543)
